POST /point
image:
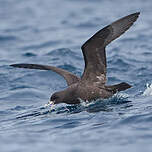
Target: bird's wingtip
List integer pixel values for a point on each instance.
(19, 65)
(13, 65)
(136, 14)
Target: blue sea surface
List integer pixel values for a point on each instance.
(51, 33)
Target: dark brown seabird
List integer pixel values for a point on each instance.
(92, 84)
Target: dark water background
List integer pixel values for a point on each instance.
(52, 32)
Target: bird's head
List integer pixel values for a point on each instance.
(57, 98)
(66, 96)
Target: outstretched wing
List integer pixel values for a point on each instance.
(94, 48)
(68, 76)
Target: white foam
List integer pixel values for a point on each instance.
(116, 98)
(148, 90)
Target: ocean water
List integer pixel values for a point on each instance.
(51, 33)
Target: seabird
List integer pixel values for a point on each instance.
(92, 84)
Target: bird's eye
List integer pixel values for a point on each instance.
(54, 97)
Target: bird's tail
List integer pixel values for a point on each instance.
(119, 87)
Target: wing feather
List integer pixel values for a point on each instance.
(94, 48)
(68, 76)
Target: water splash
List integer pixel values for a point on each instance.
(93, 106)
(148, 90)
(49, 104)
(117, 98)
